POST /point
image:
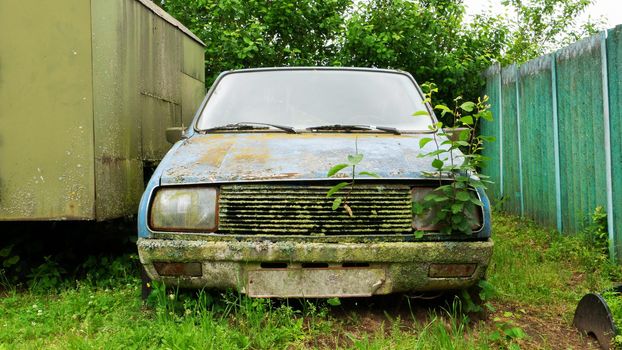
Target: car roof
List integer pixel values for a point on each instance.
(316, 68)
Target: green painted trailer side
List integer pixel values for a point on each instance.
(581, 132)
(614, 64)
(537, 140)
(46, 109)
(86, 93)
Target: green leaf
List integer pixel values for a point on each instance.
(444, 109)
(337, 203)
(457, 208)
(418, 208)
(437, 163)
(355, 159)
(464, 135)
(467, 120)
(488, 138)
(337, 168)
(336, 188)
(419, 234)
(4, 252)
(463, 196)
(487, 115)
(421, 113)
(369, 173)
(333, 301)
(495, 336)
(477, 202)
(424, 141)
(434, 153)
(430, 197)
(515, 333)
(467, 106)
(11, 261)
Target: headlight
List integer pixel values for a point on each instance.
(424, 221)
(184, 209)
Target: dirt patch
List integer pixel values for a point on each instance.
(545, 328)
(356, 319)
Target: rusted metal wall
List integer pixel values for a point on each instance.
(563, 161)
(86, 93)
(153, 73)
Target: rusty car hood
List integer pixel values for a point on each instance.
(242, 157)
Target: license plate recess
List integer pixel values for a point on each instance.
(314, 282)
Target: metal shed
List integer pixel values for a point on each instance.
(87, 89)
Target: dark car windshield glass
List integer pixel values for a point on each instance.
(308, 98)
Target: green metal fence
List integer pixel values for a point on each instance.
(558, 124)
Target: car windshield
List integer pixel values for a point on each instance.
(311, 98)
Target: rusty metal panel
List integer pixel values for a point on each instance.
(192, 78)
(509, 140)
(492, 167)
(117, 105)
(192, 93)
(140, 88)
(193, 59)
(581, 131)
(160, 86)
(46, 109)
(614, 63)
(537, 140)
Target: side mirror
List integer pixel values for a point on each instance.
(174, 134)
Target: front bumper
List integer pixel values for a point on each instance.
(315, 269)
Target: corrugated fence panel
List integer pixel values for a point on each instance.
(559, 153)
(493, 165)
(614, 53)
(537, 140)
(581, 134)
(509, 141)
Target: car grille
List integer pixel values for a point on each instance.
(305, 210)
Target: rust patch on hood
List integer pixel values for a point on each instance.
(275, 156)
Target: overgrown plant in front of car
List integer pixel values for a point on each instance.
(333, 192)
(456, 156)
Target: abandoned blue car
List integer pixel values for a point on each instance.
(240, 200)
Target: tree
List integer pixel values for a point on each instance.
(256, 33)
(428, 38)
(541, 26)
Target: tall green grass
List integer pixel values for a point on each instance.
(532, 268)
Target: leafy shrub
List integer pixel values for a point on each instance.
(456, 156)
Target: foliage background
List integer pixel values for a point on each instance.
(431, 39)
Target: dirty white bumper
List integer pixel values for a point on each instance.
(303, 269)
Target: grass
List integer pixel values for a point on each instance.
(539, 276)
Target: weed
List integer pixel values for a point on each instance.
(47, 276)
(544, 268)
(533, 269)
(506, 334)
(614, 301)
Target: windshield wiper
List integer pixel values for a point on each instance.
(354, 127)
(251, 126)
